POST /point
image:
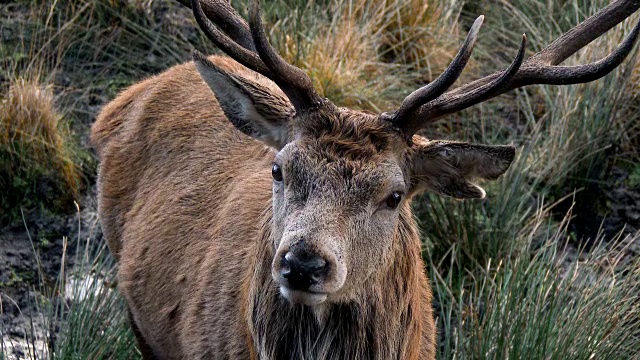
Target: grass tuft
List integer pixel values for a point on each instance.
(420, 34)
(91, 314)
(558, 303)
(37, 165)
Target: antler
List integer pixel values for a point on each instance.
(432, 102)
(257, 54)
(225, 16)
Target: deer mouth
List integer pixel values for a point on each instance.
(308, 298)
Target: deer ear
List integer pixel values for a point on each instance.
(449, 168)
(257, 110)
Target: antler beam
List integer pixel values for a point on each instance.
(541, 68)
(254, 52)
(227, 18)
(298, 85)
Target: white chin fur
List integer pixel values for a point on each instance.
(302, 297)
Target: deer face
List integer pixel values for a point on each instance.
(340, 180)
(336, 194)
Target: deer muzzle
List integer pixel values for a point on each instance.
(307, 272)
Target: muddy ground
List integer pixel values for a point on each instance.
(31, 255)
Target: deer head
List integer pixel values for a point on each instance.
(342, 178)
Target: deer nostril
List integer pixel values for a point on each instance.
(288, 256)
(302, 269)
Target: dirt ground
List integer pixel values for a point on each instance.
(31, 254)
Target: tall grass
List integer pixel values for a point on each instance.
(545, 306)
(81, 316)
(59, 61)
(495, 299)
(566, 139)
(581, 124)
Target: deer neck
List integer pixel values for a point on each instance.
(387, 323)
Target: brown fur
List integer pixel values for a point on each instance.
(187, 206)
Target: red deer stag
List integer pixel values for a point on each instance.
(254, 219)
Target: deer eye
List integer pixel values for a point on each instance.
(276, 172)
(393, 200)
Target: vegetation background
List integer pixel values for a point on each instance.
(546, 267)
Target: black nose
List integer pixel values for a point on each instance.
(303, 269)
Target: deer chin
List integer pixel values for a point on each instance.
(302, 297)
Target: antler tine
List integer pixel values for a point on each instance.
(463, 97)
(540, 68)
(226, 44)
(294, 82)
(566, 75)
(438, 86)
(480, 93)
(226, 18)
(585, 32)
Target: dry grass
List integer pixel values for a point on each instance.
(35, 160)
(578, 139)
(421, 34)
(341, 63)
(369, 55)
(81, 48)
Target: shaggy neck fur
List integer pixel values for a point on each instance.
(386, 322)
